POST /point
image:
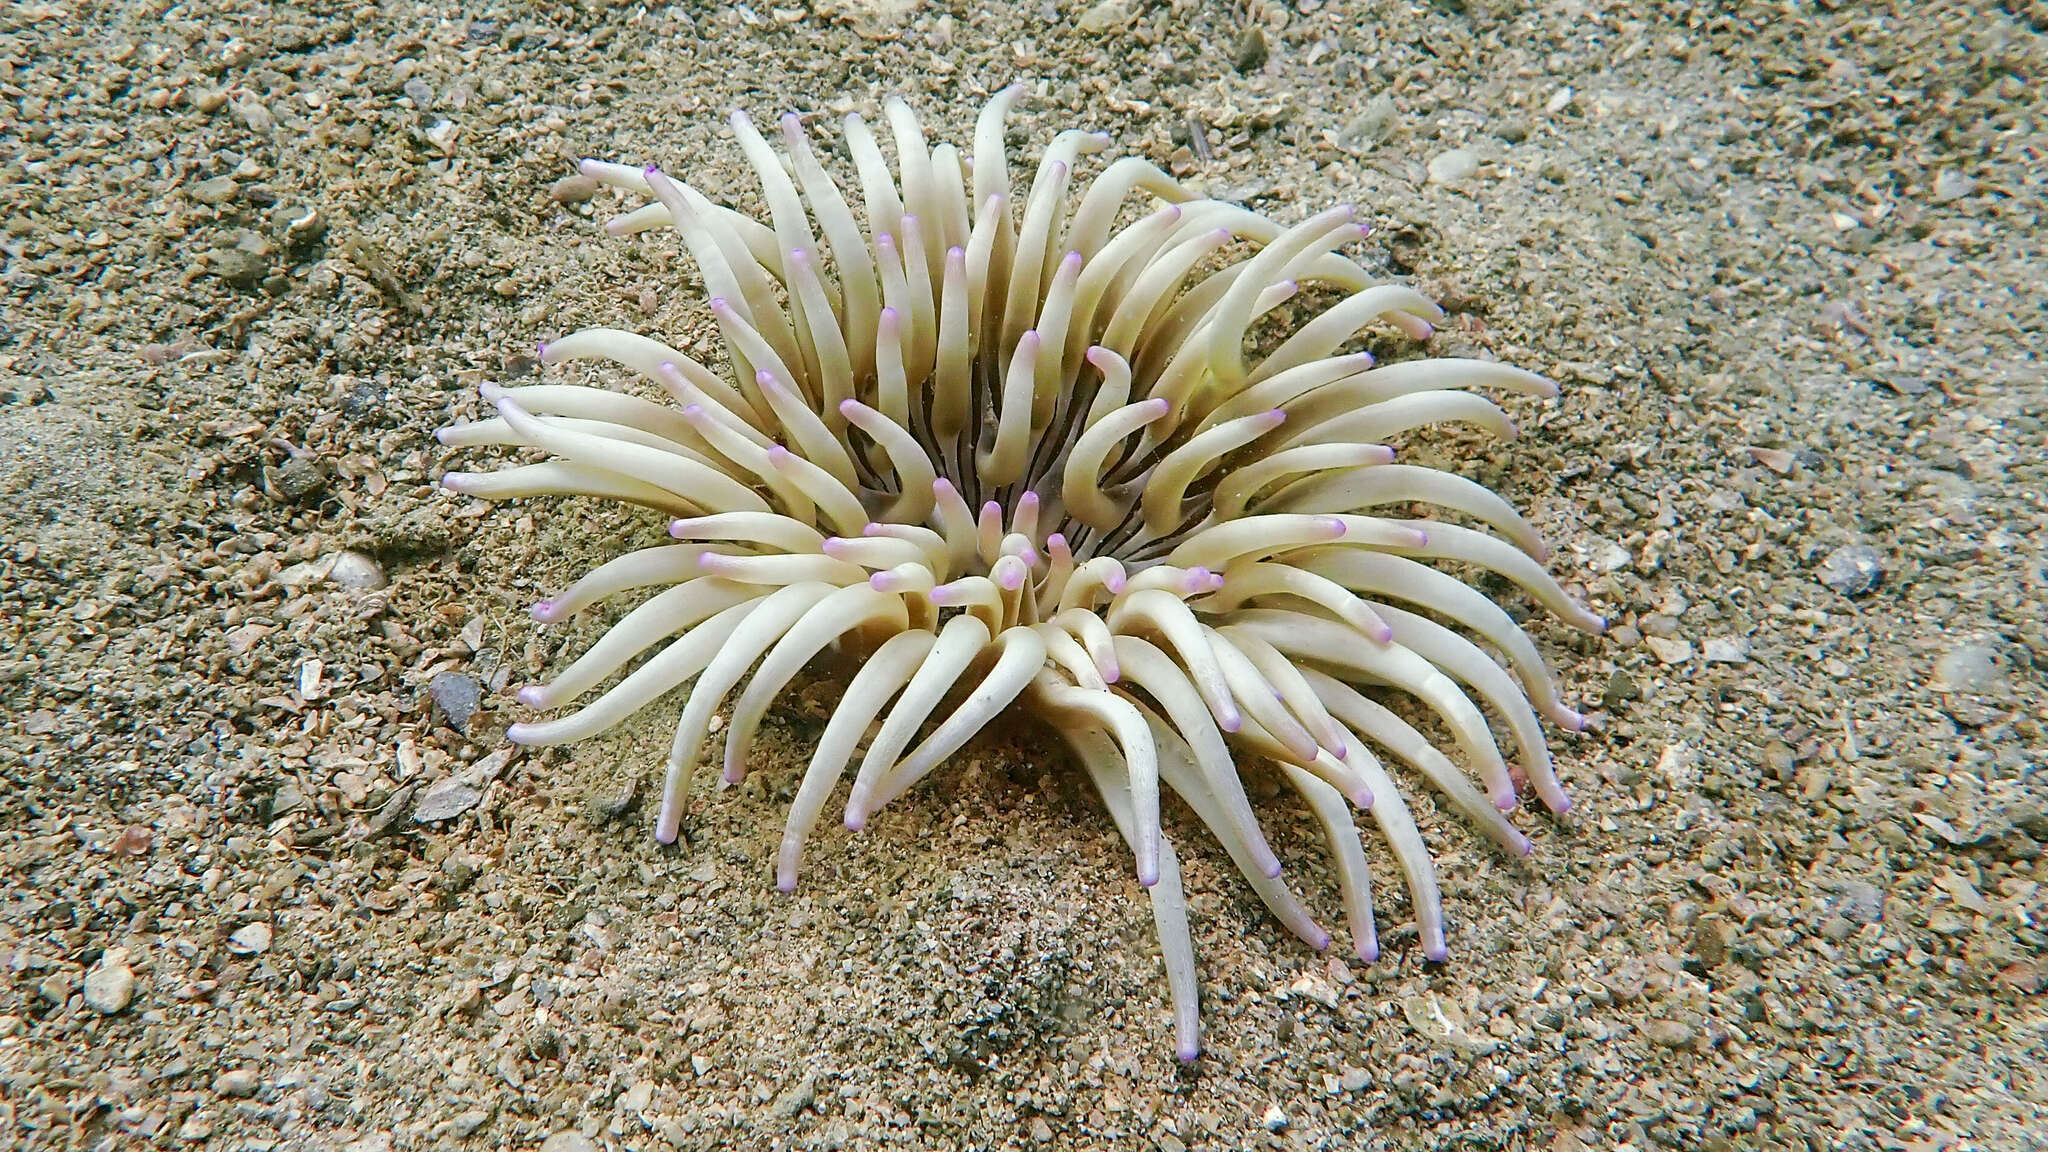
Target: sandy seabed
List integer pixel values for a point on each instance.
(1786, 261)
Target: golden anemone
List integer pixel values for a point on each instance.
(1017, 454)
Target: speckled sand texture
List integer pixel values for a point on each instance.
(270, 877)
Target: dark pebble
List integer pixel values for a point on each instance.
(239, 267)
(1620, 690)
(1252, 50)
(301, 478)
(457, 696)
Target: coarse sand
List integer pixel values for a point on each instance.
(271, 878)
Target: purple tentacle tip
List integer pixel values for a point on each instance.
(786, 885)
(519, 733)
(1436, 953)
(1369, 951)
(543, 611)
(1189, 1053)
(533, 696)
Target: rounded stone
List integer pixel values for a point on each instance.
(1853, 569)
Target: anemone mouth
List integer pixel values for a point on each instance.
(1014, 449)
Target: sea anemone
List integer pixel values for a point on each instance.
(1029, 456)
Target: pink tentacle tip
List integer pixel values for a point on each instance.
(1321, 941)
(1114, 581)
(1334, 527)
(452, 481)
(734, 774)
(785, 884)
(651, 170)
(1506, 802)
(855, 821)
(850, 407)
(1189, 1053)
(1436, 953)
(882, 582)
(1562, 805)
(533, 696)
(541, 350)
(545, 611)
(1384, 635)
(1230, 721)
(1369, 951)
(1147, 877)
(1110, 671)
(777, 454)
(520, 733)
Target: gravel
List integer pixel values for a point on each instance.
(1779, 261)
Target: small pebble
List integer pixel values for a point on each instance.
(795, 1099)
(238, 266)
(1355, 1079)
(568, 1140)
(236, 1082)
(1710, 940)
(1275, 1120)
(446, 799)
(1972, 667)
(573, 189)
(1852, 569)
(457, 696)
(250, 939)
(1726, 649)
(301, 478)
(1669, 1033)
(1859, 901)
(1621, 689)
(110, 986)
(1252, 50)
(1103, 17)
(1452, 167)
(1668, 651)
(1952, 185)
(357, 573)
(218, 190)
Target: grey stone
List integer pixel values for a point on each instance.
(457, 696)
(446, 799)
(1853, 569)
